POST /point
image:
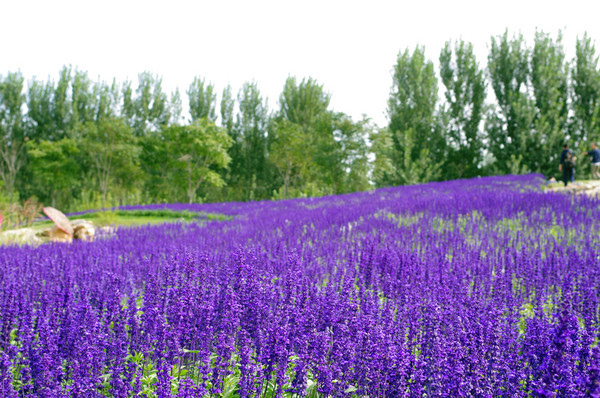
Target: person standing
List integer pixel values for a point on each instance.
(595, 155)
(567, 164)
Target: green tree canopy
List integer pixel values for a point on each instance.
(12, 130)
(586, 91)
(418, 145)
(549, 81)
(509, 125)
(202, 100)
(465, 94)
(110, 150)
(55, 170)
(200, 150)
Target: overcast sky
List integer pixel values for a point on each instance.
(349, 47)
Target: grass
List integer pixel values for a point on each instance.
(145, 217)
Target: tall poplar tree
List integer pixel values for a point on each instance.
(303, 103)
(549, 81)
(585, 97)
(82, 100)
(235, 171)
(304, 108)
(202, 100)
(251, 128)
(107, 100)
(40, 119)
(509, 124)
(150, 106)
(12, 130)
(417, 153)
(465, 94)
(61, 105)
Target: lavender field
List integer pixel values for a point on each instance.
(484, 287)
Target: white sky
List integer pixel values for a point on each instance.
(349, 47)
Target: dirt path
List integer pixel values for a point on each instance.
(586, 187)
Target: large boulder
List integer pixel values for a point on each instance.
(58, 235)
(83, 230)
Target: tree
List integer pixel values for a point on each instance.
(61, 107)
(465, 95)
(107, 100)
(82, 100)
(50, 107)
(303, 103)
(509, 125)
(157, 164)
(549, 81)
(315, 150)
(200, 150)
(12, 130)
(150, 107)
(586, 92)
(111, 151)
(382, 146)
(287, 152)
(40, 118)
(176, 107)
(306, 104)
(54, 169)
(418, 145)
(251, 130)
(202, 100)
(235, 171)
(350, 154)
(227, 105)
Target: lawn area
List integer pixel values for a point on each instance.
(130, 218)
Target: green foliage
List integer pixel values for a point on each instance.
(287, 154)
(316, 151)
(76, 143)
(12, 130)
(54, 169)
(251, 171)
(149, 110)
(196, 153)
(227, 105)
(585, 92)
(418, 146)
(509, 125)
(202, 100)
(111, 154)
(303, 103)
(465, 95)
(549, 75)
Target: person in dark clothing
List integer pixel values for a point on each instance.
(594, 154)
(567, 164)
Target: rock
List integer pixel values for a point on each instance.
(83, 230)
(58, 235)
(20, 236)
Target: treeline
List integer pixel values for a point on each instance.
(508, 118)
(76, 143)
